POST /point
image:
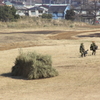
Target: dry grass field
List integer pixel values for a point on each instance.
(79, 78)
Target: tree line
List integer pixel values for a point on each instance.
(8, 14)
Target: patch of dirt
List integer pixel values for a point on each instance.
(11, 40)
(32, 32)
(70, 34)
(90, 35)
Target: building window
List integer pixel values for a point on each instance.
(33, 12)
(60, 14)
(40, 11)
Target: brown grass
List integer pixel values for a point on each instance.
(36, 23)
(79, 78)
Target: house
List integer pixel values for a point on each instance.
(21, 11)
(58, 11)
(34, 11)
(37, 11)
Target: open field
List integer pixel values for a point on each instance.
(79, 78)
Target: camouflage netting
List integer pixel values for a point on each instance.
(33, 66)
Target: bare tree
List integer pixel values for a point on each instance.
(95, 9)
(91, 9)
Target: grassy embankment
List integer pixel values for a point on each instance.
(38, 23)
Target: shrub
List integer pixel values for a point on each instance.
(48, 16)
(33, 66)
(70, 15)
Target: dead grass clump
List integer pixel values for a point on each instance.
(33, 66)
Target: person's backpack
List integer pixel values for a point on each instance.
(96, 47)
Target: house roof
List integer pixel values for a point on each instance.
(30, 2)
(8, 3)
(44, 6)
(17, 3)
(20, 8)
(36, 8)
(59, 9)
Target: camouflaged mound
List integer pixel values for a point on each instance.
(33, 66)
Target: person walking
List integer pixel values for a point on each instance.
(82, 50)
(93, 47)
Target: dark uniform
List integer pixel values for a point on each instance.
(82, 50)
(93, 47)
